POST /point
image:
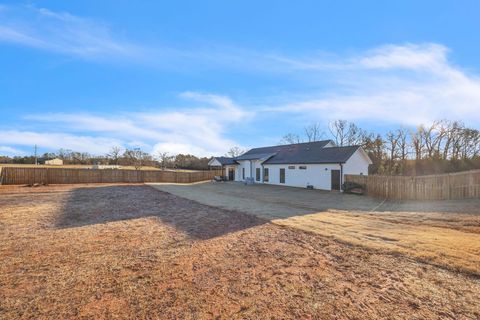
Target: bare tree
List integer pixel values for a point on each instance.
(136, 157)
(235, 152)
(392, 144)
(339, 131)
(402, 146)
(313, 132)
(164, 159)
(418, 142)
(432, 138)
(114, 154)
(291, 138)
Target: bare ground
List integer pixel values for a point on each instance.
(446, 233)
(130, 251)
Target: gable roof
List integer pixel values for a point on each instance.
(225, 160)
(300, 153)
(272, 151)
(312, 154)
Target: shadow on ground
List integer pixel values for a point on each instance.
(97, 205)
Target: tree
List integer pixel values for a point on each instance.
(418, 142)
(235, 152)
(392, 143)
(164, 159)
(114, 154)
(313, 132)
(290, 138)
(432, 138)
(339, 131)
(136, 157)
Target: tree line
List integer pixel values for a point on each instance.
(439, 147)
(135, 157)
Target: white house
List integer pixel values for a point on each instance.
(318, 164)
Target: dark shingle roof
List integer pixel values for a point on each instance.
(299, 153)
(275, 149)
(267, 152)
(254, 156)
(306, 153)
(225, 160)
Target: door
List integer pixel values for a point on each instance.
(335, 179)
(282, 175)
(231, 174)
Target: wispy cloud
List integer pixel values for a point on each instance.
(62, 32)
(406, 84)
(200, 130)
(55, 141)
(9, 151)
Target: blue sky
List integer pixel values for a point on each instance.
(202, 76)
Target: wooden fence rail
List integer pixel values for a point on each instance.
(460, 185)
(17, 175)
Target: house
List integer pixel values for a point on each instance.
(54, 162)
(224, 163)
(319, 164)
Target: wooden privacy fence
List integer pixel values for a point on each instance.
(16, 175)
(460, 185)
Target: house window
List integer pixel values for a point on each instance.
(302, 167)
(265, 175)
(257, 174)
(243, 173)
(282, 175)
(291, 167)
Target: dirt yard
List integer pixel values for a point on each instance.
(446, 233)
(130, 251)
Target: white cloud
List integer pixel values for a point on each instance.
(393, 84)
(9, 151)
(407, 84)
(196, 130)
(55, 141)
(428, 56)
(62, 32)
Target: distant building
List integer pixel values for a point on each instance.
(106, 166)
(54, 162)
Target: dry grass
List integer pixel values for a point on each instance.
(129, 251)
(452, 241)
(446, 233)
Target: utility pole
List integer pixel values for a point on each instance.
(36, 159)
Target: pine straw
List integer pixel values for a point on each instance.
(133, 252)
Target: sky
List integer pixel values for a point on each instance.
(200, 77)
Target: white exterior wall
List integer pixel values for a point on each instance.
(317, 175)
(244, 164)
(357, 164)
(250, 170)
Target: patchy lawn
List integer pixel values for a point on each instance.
(129, 251)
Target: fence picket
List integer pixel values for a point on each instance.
(17, 175)
(459, 185)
